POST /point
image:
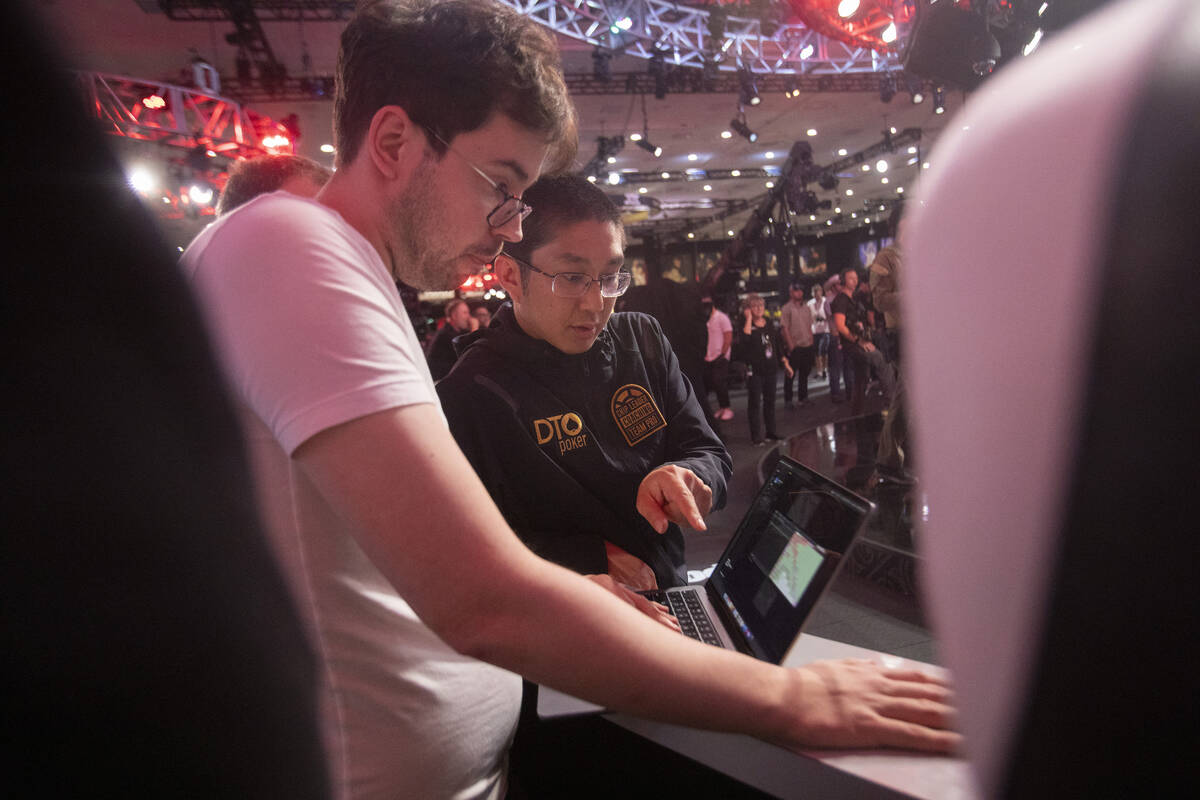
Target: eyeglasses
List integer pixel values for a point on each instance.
(511, 206)
(577, 284)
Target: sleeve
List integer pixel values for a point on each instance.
(310, 330)
(691, 442)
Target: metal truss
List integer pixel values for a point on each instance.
(682, 35)
(579, 84)
(271, 10)
(185, 118)
(679, 32)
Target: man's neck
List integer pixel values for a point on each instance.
(345, 193)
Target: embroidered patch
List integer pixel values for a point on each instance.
(565, 430)
(636, 414)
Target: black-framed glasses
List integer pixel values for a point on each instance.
(577, 284)
(510, 206)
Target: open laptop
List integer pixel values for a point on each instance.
(786, 552)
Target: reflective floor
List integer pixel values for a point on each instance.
(874, 601)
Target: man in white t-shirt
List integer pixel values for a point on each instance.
(406, 572)
(716, 358)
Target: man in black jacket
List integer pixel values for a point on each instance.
(579, 421)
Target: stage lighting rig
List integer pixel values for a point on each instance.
(748, 94)
(738, 125)
(602, 64)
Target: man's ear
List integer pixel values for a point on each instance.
(509, 274)
(395, 144)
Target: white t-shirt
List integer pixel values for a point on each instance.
(819, 309)
(311, 333)
(718, 326)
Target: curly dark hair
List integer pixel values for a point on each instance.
(450, 64)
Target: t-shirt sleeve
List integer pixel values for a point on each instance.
(310, 328)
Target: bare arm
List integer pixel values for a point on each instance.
(426, 522)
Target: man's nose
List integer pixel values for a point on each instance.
(511, 230)
(592, 299)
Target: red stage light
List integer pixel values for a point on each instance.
(154, 101)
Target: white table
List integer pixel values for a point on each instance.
(814, 773)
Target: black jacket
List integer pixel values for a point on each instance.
(563, 441)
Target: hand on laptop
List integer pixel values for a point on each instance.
(656, 611)
(858, 703)
(671, 493)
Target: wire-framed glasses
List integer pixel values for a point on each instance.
(577, 284)
(510, 206)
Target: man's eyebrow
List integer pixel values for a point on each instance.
(517, 170)
(572, 258)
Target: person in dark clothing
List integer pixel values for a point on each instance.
(853, 327)
(441, 351)
(581, 424)
(758, 342)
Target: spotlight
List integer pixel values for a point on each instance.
(790, 89)
(748, 95)
(847, 8)
(807, 52)
(201, 193)
(887, 87)
(889, 33)
(644, 143)
(916, 89)
(740, 127)
(939, 100)
(602, 65)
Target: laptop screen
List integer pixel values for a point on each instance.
(785, 553)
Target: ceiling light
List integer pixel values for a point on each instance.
(666, 175)
(899, 190)
(806, 52)
(1033, 43)
(881, 165)
(635, 137)
(884, 180)
(889, 33)
(769, 154)
(201, 193)
(812, 217)
(842, 151)
(327, 148)
(611, 159)
(691, 235)
(939, 100)
(692, 157)
(591, 178)
(846, 8)
(708, 187)
(770, 184)
(811, 131)
(642, 190)
(623, 24)
(726, 134)
(828, 222)
(837, 210)
(925, 165)
(735, 173)
(614, 178)
(866, 167)
(849, 193)
(740, 127)
(730, 233)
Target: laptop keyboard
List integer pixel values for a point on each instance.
(687, 608)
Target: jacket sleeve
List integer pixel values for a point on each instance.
(690, 442)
